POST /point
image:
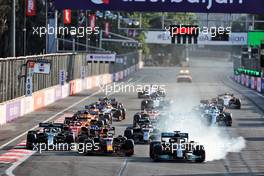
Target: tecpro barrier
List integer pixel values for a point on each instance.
(262, 85)
(259, 84)
(254, 83)
(16, 108)
(50, 88)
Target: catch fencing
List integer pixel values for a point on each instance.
(12, 82)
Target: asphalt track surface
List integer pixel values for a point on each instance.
(210, 77)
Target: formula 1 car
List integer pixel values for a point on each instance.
(140, 134)
(157, 103)
(176, 146)
(110, 107)
(149, 104)
(101, 141)
(215, 115)
(229, 101)
(75, 123)
(139, 117)
(150, 92)
(145, 116)
(51, 134)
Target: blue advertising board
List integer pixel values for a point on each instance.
(262, 85)
(202, 6)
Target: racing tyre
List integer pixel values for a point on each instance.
(139, 94)
(128, 133)
(100, 123)
(199, 151)
(69, 140)
(31, 139)
(143, 105)
(129, 147)
(238, 103)
(228, 120)
(136, 119)
(123, 113)
(151, 149)
(118, 115)
(157, 150)
(108, 117)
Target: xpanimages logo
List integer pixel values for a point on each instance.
(101, 1)
(131, 88)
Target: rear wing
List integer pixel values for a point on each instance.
(89, 106)
(74, 119)
(175, 134)
(50, 125)
(204, 101)
(226, 94)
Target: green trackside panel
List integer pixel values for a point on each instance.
(255, 38)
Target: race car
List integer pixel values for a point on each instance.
(145, 117)
(229, 101)
(215, 115)
(155, 103)
(49, 135)
(149, 104)
(75, 123)
(140, 134)
(176, 146)
(139, 117)
(110, 107)
(152, 91)
(184, 76)
(101, 141)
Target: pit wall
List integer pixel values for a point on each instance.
(251, 82)
(16, 108)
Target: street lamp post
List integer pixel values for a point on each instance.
(14, 28)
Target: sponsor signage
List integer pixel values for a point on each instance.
(107, 29)
(163, 37)
(83, 72)
(255, 38)
(101, 57)
(29, 86)
(92, 19)
(259, 84)
(31, 8)
(13, 110)
(262, 85)
(67, 16)
(62, 77)
(42, 68)
(202, 6)
(119, 60)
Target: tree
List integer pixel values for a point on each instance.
(5, 9)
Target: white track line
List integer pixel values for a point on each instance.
(9, 171)
(50, 118)
(123, 167)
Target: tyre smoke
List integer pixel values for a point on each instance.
(216, 140)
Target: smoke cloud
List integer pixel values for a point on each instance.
(216, 140)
